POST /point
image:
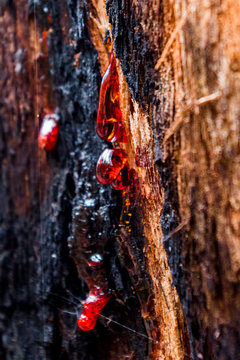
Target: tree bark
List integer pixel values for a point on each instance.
(170, 242)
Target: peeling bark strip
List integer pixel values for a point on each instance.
(178, 64)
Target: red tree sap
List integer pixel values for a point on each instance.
(109, 117)
(112, 168)
(97, 299)
(48, 135)
(95, 260)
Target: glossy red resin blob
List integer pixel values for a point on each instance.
(109, 117)
(95, 260)
(48, 134)
(92, 308)
(109, 168)
(86, 323)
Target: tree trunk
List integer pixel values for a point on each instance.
(170, 241)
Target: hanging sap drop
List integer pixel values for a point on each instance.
(95, 260)
(109, 117)
(48, 134)
(86, 322)
(111, 166)
(97, 299)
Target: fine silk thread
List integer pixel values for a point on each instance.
(39, 159)
(79, 306)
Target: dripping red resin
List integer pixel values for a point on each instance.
(109, 117)
(96, 260)
(112, 168)
(48, 134)
(97, 299)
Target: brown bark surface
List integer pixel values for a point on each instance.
(173, 264)
(192, 99)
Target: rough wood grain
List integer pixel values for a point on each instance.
(173, 264)
(182, 68)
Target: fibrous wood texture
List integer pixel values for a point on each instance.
(186, 80)
(173, 264)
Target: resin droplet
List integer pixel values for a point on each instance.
(86, 323)
(48, 134)
(95, 260)
(92, 308)
(109, 117)
(110, 166)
